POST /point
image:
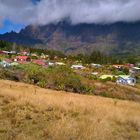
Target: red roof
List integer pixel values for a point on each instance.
(22, 62)
(8, 60)
(22, 57)
(1, 52)
(119, 65)
(39, 62)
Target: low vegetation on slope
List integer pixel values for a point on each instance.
(31, 113)
(63, 78)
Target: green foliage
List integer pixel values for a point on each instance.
(4, 45)
(59, 78)
(114, 79)
(94, 57)
(126, 71)
(106, 80)
(62, 78)
(93, 77)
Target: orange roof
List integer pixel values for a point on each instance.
(22, 57)
(118, 65)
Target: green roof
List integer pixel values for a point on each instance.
(14, 64)
(106, 76)
(124, 76)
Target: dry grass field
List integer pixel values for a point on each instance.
(32, 113)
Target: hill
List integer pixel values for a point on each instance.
(29, 112)
(118, 38)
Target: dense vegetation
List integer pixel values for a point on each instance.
(95, 56)
(64, 79)
(58, 78)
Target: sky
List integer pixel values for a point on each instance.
(16, 14)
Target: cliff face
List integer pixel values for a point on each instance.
(81, 38)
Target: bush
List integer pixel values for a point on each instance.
(58, 78)
(107, 79)
(62, 78)
(114, 79)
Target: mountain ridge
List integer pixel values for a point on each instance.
(81, 38)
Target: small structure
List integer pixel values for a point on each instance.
(126, 80)
(34, 55)
(135, 70)
(39, 62)
(103, 77)
(1, 52)
(60, 64)
(138, 65)
(14, 64)
(94, 73)
(22, 58)
(7, 52)
(51, 64)
(78, 67)
(25, 53)
(5, 64)
(43, 56)
(8, 60)
(118, 66)
(96, 65)
(129, 65)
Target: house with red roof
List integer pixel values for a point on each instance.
(22, 59)
(39, 62)
(118, 66)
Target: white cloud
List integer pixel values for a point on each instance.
(78, 11)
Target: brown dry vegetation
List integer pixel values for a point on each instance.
(32, 113)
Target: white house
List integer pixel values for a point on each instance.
(60, 63)
(135, 70)
(126, 80)
(77, 67)
(94, 73)
(96, 65)
(4, 64)
(51, 64)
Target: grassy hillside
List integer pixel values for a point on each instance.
(32, 113)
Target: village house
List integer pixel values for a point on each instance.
(129, 66)
(5, 52)
(103, 77)
(8, 60)
(126, 80)
(5, 64)
(39, 62)
(51, 64)
(22, 59)
(14, 64)
(77, 67)
(60, 64)
(24, 53)
(118, 66)
(93, 65)
(138, 65)
(43, 56)
(94, 73)
(34, 55)
(135, 70)
(1, 52)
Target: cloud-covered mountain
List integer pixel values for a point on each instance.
(117, 38)
(42, 12)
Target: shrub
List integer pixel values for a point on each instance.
(58, 78)
(105, 80)
(62, 78)
(114, 79)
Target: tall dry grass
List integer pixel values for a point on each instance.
(32, 113)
